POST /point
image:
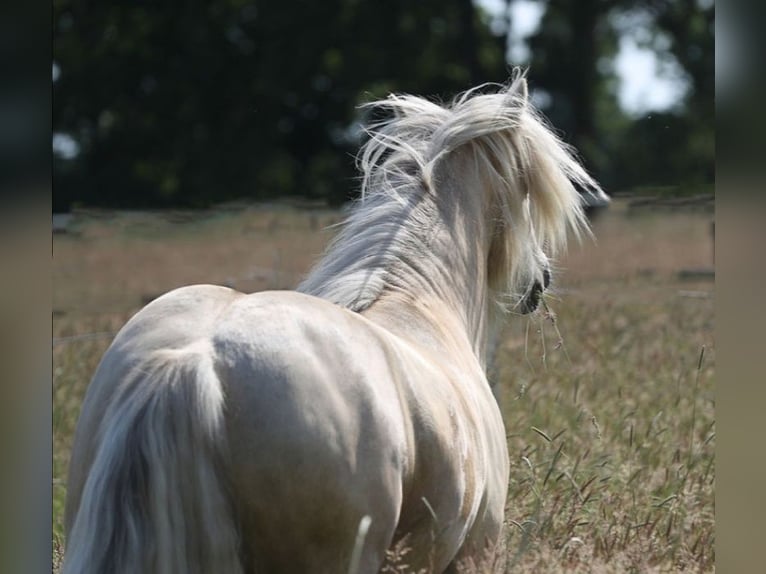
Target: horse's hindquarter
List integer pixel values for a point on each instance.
(173, 322)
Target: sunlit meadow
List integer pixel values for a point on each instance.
(607, 392)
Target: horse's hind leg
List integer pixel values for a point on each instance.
(300, 507)
(312, 537)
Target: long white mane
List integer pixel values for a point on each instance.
(528, 171)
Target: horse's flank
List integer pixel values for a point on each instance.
(253, 433)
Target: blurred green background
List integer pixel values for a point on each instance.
(160, 104)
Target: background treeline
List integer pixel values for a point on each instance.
(191, 103)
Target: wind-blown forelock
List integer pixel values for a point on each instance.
(530, 172)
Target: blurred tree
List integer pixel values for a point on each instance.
(572, 70)
(679, 145)
(168, 103)
(189, 103)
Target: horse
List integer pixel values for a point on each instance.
(316, 430)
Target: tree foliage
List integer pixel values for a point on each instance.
(574, 38)
(573, 66)
(197, 102)
(683, 139)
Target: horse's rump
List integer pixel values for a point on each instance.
(161, 444)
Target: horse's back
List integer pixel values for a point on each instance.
(332, 418)
(315, 429)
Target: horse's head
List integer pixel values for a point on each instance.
(533, 275)
(473, 196)
(531, 179)
(530, 300)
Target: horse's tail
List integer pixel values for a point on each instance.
(155, 499)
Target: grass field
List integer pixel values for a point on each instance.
(608, 397)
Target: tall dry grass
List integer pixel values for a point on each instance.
(609, 403)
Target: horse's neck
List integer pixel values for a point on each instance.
(440, 293)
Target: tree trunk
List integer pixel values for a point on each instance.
(584, 22)
(469, 45)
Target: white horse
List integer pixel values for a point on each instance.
(312, 431)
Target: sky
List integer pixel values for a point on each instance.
(644, 86)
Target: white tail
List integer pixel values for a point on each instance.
(154, 500)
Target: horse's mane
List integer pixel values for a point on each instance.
(530, 172)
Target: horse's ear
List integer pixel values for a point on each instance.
(523, 89)
(517, 93)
